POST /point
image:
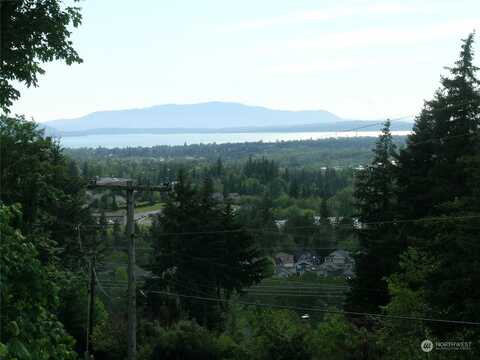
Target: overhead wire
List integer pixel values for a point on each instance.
(400, 118)
(294, 285)
(330, 311)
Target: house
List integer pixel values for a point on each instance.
(337, 263)
(284, 259)
(306, 256)
(333, 220)
(284, 265)
(112, 217)
(280, 224)
(147, 217)
(109, 181)
(339, 258)
(357, 224)
(304, 266)
(306, 262)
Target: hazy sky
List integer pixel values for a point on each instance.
(357, 59)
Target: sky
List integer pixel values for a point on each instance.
(359, 59)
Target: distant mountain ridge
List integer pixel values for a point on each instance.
(202, 117)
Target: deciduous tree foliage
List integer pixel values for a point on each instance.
(35, 174)
(38, 179)
(33, 32)
(30, 294)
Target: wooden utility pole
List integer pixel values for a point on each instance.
(127, 184)
(91, 298)
(91, 307)
(132, 286)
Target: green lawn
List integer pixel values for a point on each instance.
(147, 208)
(304, 294)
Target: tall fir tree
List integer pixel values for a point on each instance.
(431, 170)
(375, 202)
(201, 250)
(324, 237)
(438, 176)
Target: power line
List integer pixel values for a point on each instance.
(295, 288)
(394, 317)
(272, 229)
(425, 219)
(296, 295)
(123, 287)
(377, 124)
(278, 289)
(405, 117)
(443, 138)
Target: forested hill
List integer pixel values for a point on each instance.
(206, 117)
(331, 152)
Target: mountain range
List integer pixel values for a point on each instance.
(206, 117)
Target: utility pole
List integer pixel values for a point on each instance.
(132, 286)
(130, 188)
(87, 332)
(91, 308)
(91, 298)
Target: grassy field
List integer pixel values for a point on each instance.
(300, 293)
(147, 208)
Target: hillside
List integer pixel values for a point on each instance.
(204, 117)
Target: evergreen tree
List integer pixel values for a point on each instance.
(324, 238)
(300, 226)
(324, 210)
(264, 211)
(330, 183)
(219, 169)
(201, 250)
(438, 176)
(293, 191)
(86, 170)
(375, 201)
(431, 170)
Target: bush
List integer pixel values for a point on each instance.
(187, 340)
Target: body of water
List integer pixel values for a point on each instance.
(147, 140)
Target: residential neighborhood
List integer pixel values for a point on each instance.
(337, 263)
